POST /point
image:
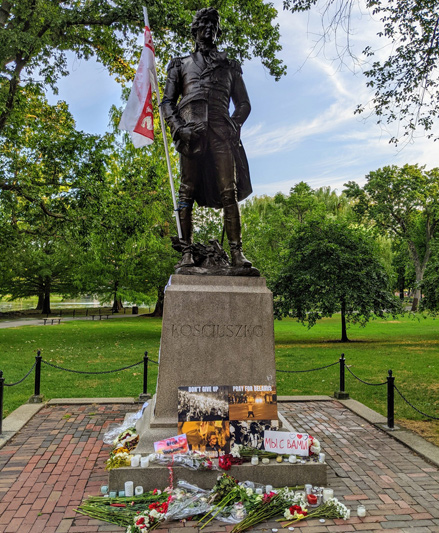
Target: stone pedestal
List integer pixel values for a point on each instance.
(217, 330)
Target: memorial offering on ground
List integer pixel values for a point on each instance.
(242, 504)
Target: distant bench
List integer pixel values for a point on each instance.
(100, 316)
(52, 320)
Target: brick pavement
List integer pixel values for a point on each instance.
(58, 458)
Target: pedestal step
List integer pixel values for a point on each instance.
(275, 474)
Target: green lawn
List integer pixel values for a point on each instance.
(409, 347)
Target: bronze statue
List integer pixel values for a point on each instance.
(214, 168)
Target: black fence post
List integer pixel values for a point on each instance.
(37, 397)
(390, 400)
(2, 381)
(145, 396)
(342, 394)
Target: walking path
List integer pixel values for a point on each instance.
(18, 322)
(58, 458)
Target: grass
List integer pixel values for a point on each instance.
(410, 347)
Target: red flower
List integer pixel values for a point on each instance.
(268, 497)
(155, 491)
(225, 462)
(141, 520)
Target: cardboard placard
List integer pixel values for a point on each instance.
(282, 442)
(172, 445)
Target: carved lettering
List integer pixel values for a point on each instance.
(216, 330)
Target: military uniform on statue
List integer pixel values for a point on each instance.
(214, 168)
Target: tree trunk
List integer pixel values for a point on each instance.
(417, 291)
(344, 335)
(40, 303)
(117, 304)
(117, 301)
(46, 304)
(158, 311)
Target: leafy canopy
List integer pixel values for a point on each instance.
(406, 82)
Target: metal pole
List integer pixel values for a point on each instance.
(37, 373)
(165, 140)
(2, 380)
(342, 394)
(390, 400)
(145, 373)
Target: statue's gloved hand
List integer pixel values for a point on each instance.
(190, 133)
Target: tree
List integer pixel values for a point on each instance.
(406, 83)
(328, 268)
(430, 284)
(50, 176)
(403, 202)
(36, 34)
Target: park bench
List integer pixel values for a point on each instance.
(100, 316)
(52, 320)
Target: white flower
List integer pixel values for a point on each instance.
(154, 513)
(249, 491)
(235, 450)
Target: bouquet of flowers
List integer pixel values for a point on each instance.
(149, 519)
(118, 457)
(192, 460)
(187, 501)
(330, 509)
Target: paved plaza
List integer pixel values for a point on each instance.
(58, 459)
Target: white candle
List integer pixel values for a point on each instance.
(265, 460)
(322, 457)
(255, 460)
(129, 489)
(292, 459)
(327, 494)
(361, 511)
(144, 462)
(135, 461)
(138, 490)
(308, 488)
(259, 491)
(268, 488)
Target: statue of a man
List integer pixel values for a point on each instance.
(214, 168)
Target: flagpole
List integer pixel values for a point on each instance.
(165, 140)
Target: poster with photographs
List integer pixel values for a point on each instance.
(252, 402)
(210, 437)
(203, 403)
(251, 432)
(214, 417)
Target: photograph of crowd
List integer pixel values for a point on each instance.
(203, 404)
(209, 437)
(252, 402)
(251, 433)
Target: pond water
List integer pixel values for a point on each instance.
(55, 303)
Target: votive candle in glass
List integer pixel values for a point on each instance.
(144, 462)
(322, 457)
(292, 459)
(138, 490)
(361, 511)
(255, 460)
(129, 489)
(135, 461)
(327, 494)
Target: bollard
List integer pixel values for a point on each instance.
(2, 381)
(145, 396)
(342, 394)
(390, 400)
(37, 398)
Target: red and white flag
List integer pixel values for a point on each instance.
(137, 117)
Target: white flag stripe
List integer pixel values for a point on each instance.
(137, 117)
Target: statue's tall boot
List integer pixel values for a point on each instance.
(185, 214)
(232, 223)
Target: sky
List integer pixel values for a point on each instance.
(302, 128)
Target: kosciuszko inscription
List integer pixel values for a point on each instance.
(217, 330)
